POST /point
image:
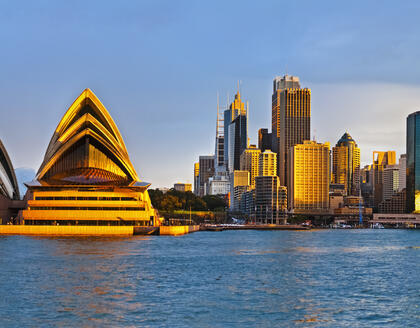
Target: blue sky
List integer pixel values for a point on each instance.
(158, 65)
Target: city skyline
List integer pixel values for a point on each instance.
(351, 65)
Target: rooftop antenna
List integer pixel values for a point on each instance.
(314, 138)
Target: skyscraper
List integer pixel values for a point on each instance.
(390, 181)
(346, 164)
(219, 152)
(206, 164)
(250, 159)
(403, 172)
(267, 163)
(309, 177)
(239, 185)
(219, 183)
(235, 133)
(264, 139)
(413, 162)
(380, 160)
(291, 119)
(238, 141)
(270, 200)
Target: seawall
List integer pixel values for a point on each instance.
(178, 230)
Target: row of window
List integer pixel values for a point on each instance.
(88, 223)
(85, 198)
(71, 208)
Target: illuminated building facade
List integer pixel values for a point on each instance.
(290, 120)
(309, 177)
(86, 177)
(183, 187)
(381, 159)
(413, 163)
(9, 189)
(250, 161)
(346, 164)
(196, 178)
(235, 133)
(267, 163)
(239, 184)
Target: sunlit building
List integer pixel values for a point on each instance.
(250, 159)
(309, 177)
(381, 159)
(290, 120)
(196, 178)
(239, 185)
(86, 177)
(267, 163)
(235, 133)
(9, 189)
(183, 187)
(346, 164)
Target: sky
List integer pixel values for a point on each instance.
(158, 66)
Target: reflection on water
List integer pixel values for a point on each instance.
(234, 278)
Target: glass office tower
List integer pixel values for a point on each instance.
(413, 162)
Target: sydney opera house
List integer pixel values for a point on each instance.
(86, 177)
(9, 190)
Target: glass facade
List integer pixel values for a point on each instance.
(413, 162)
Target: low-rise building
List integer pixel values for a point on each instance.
(183, 187)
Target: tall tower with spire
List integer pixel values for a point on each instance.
(235, 132)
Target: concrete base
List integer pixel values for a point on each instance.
(177, 230)
(50, 230)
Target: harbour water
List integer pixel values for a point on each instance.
(324, 278)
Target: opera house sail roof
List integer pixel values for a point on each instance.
(87, 159)
(87, 148)
(8, 183)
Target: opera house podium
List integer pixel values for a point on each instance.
(86, 177)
